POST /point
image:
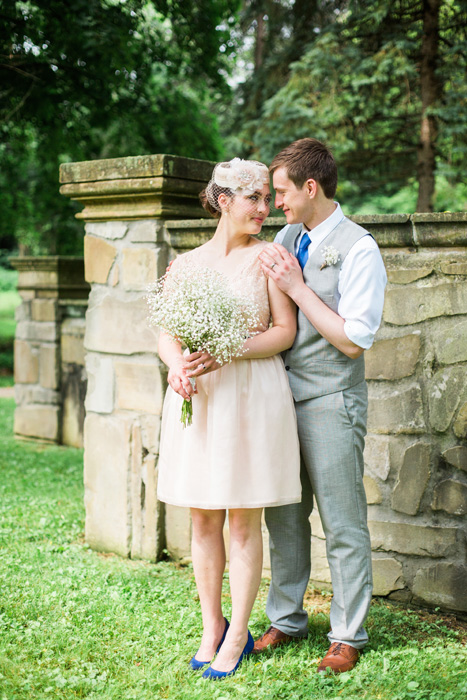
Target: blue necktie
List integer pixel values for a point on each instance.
(302, 255)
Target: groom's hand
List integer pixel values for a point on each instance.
(282, 267)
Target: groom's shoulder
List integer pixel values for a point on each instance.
(288, 229)
(354, 227)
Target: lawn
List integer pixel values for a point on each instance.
(9, 300)
(78, 624)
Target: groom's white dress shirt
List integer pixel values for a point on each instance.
(362, 280)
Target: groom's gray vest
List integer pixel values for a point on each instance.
(314, 366)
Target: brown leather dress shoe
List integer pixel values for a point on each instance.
(340, 657)
(270, 639)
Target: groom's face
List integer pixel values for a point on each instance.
(294, 202)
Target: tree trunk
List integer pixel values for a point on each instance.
(259, 43)
(305, 19)
(430, 92)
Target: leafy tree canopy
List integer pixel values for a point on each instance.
(98, 79)
(357, 85)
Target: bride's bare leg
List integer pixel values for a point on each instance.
(208, 552)
(245, 565)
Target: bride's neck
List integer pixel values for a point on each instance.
(228, 239)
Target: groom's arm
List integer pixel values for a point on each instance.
(333, 327)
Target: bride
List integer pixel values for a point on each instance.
(241, 452)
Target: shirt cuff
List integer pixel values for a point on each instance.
(358, 333)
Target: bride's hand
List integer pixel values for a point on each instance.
(199, 363)
(178, 379)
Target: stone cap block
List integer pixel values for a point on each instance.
(408, 231)
(445, 228)
(62, 275)
(137, 167)
(389, 230)
(139, 187)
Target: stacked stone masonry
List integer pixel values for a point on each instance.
(416, 450)
(50, 381)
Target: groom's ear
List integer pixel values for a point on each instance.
(311, 187)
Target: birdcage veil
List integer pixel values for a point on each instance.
(236, 177)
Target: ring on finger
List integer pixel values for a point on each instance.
(272, 266)
(202, 365)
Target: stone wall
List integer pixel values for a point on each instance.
(416, 453)
(50, 382)
(415, 456)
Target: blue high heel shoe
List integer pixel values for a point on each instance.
(214, 675)
(195, 665)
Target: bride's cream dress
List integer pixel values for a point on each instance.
(241, 450)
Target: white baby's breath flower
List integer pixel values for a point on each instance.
(197, 307)
(331, 256)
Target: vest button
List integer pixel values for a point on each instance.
(287, 367)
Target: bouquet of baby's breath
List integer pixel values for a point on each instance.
(197, 307)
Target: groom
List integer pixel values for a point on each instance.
(333, 270)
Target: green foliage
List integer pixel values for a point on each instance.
(100, 79)
(8, 281)
(356, 85)
(9, 300)
(449, 197)
(77, 624)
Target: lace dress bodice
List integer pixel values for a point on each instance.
(247, 281)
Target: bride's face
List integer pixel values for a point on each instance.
(248, 212)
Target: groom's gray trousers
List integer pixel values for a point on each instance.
(331, 430)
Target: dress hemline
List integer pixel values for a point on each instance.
(210, 506)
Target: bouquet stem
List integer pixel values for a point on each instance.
(187, 408)
(187, 413)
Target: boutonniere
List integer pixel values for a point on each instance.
(331, 256)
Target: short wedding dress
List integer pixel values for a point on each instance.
(241, 451)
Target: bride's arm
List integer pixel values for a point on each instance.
(170, 352)
(281, 334)
(277, 338)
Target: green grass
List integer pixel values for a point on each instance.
(9, 300)
(78, 624)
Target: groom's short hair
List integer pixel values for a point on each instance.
(305, 159)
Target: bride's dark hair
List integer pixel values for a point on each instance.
(208, 195)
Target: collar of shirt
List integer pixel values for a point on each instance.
(320, 232)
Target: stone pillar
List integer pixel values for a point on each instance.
(126, 201)
(46, 286)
